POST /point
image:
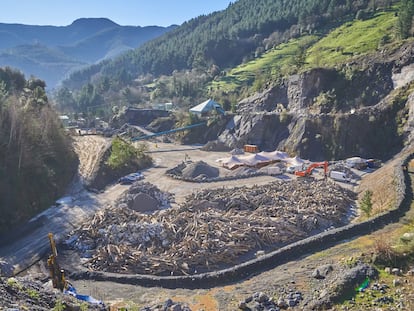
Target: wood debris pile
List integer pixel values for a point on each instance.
(213, 229)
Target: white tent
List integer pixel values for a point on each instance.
(207, 106)
(230, 162)
(253, 159)
(295, 161)
(274, 155)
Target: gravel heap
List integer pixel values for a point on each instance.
(260, 301)
(199, 169)
(144, 197)
(168, 305)
(212, 230)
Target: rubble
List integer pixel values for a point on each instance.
(145, 197)
(23, 293)
(168, 305)
(213, 229)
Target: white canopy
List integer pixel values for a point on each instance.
(230, 162)
(253, 159)
(274, 155)
(206, 106)
(295, 161)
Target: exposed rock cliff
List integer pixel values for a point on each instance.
(364, 108)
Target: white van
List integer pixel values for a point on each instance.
(294, 168)
(339, 176)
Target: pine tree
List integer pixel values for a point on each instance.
(366, 203)
(405, 17)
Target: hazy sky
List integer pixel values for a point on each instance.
(123, 12)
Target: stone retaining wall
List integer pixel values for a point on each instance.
(275, 258)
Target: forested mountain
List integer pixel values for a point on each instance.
(184, 65)
(52, 52)
(226, 38)
(36, 157)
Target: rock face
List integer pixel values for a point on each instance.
(265, 130)
(265, 101)
(328, 113)
(322, 114)
(410, 123)
(302, 89)
(369, 133)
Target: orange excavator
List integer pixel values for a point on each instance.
(310, 168)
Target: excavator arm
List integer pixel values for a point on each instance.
(310, 168)
(56, 273)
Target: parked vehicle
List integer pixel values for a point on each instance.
(374, 163)
(339, 176)
(130, 178)
(273, 170)
(357, 163)
(294, 168)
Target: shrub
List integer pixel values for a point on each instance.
(366, 203)
(124, 154)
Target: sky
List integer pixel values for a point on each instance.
(122, 12)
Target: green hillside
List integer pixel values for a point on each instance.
(274, 63)
(353, 38)
(231, 54)
(227, 38)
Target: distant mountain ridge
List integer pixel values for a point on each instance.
(51, 52)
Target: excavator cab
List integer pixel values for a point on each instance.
(310, 168)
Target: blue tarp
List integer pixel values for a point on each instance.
(72, 291)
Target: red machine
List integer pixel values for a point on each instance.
(310, 168)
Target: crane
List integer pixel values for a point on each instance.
(310, 168)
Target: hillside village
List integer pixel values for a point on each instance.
(280, 182)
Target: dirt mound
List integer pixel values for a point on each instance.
(90, 150)
(145, 197)
(200, 168)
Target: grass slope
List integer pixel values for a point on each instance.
(275, 62)
(354, 38)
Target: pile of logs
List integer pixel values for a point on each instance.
(213, 229)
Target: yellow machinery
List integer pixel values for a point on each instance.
(56, 273)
